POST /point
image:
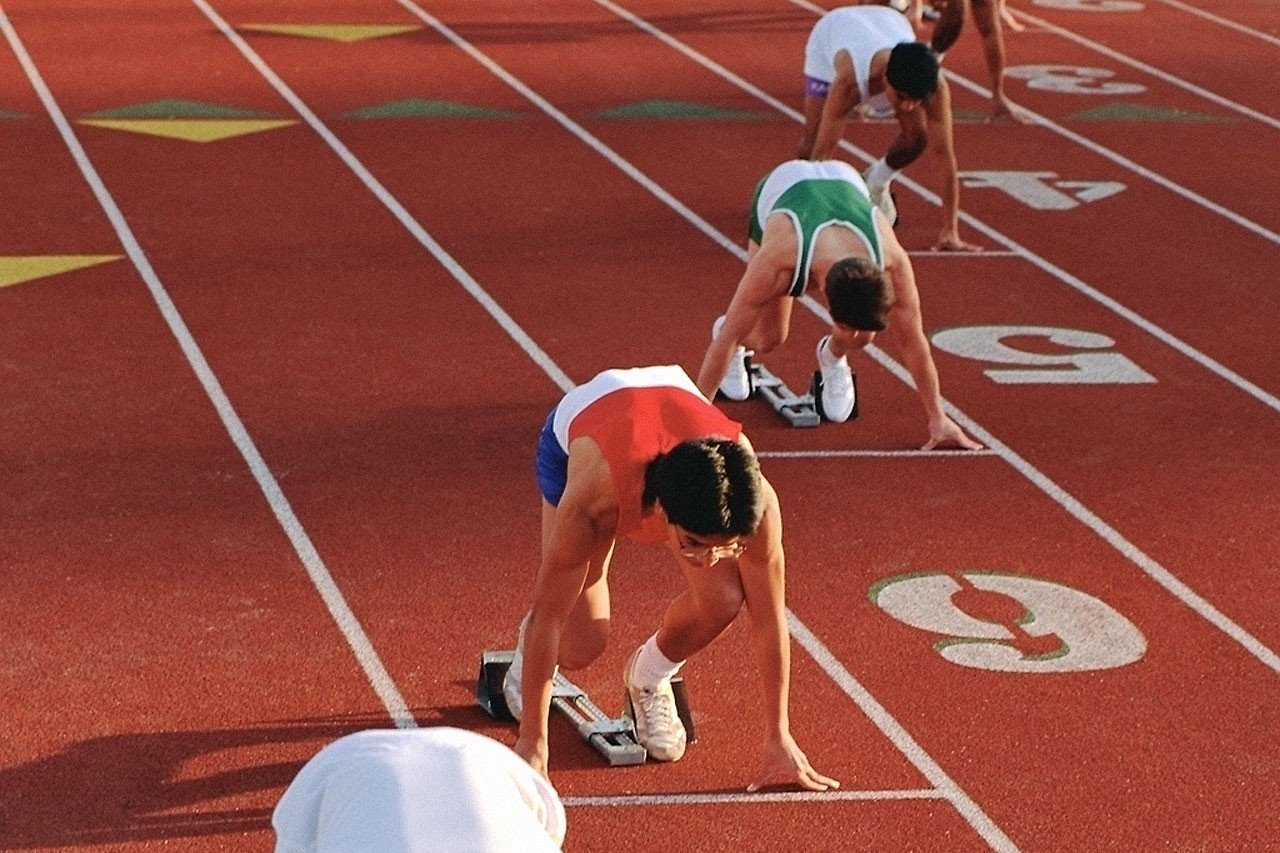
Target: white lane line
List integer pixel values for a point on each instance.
(1133, 166)
(389, 201)
(900, 737)
(1149, 566)
(375, 672)
(620, 800)
(934, 253)
(1222, 371)
(1171, 79)
(1218, 19)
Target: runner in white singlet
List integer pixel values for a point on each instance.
(868, 54)
(433, 790)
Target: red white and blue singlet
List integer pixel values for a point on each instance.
(632, 416)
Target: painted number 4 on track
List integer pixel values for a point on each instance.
(1044, 190)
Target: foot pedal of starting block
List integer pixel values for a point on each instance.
(615, 739)
(800, 411)
(493, 668)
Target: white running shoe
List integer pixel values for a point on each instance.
(881, 112)
(512, 681)
(658, 726)
(883, 199)
(838, 396)
(736, 384)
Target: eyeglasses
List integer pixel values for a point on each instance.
(695, 550)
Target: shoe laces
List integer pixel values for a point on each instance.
(840, 380)
(658, 709)
(836, 375)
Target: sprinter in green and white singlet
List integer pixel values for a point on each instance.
(812, 224)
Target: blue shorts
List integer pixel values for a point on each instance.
(815, 88)
(551, 463)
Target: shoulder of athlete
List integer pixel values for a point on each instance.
(778, 239)
(589, 490)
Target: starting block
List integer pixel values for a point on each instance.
(799, 410)
(615, 739)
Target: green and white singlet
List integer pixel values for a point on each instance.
(815, 195)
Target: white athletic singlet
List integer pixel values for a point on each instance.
(861, 31)
(418, 790)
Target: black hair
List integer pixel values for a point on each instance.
(708, 486)
(857, 294)
(913, 69)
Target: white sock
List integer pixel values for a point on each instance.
(717, 326)
(652, 666)
(879, 175)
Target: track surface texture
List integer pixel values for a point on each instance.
(283, 310)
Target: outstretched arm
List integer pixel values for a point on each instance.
(842, 97)
(763, 571)
(585, 523)
(907, 326)
(765, 281)
(937, 112)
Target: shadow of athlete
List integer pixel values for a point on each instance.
(129, 788)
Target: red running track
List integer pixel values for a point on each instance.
(172, 661)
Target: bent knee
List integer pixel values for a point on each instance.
(914, 144)
(720, 606)
(768, 340)
(584, 645)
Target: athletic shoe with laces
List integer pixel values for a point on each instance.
(658, 726)
(838, 396)
(882, 198)
(736, 384)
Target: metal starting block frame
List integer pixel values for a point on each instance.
(799, 410)
(615, 739)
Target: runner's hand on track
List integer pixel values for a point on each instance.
(950, 241)
(947, 433)
(785, 761)
(535, 752)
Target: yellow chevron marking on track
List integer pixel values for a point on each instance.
(334, 32)
(16, 269)
(191, 130)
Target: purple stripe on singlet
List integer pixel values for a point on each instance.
(815, 88)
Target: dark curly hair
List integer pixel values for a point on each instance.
(913, 69)
(857, 294)
(708, 486)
